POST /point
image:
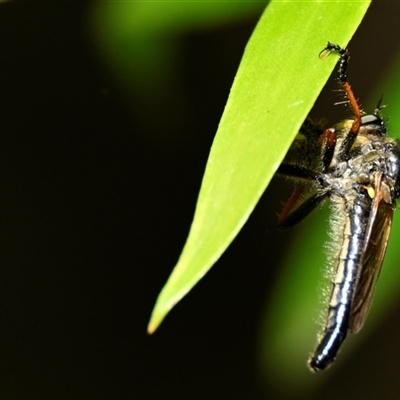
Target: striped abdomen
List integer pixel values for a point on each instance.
(351, 242)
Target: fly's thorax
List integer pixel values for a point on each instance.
(372, 152)
(344, 188)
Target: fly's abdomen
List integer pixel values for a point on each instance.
(351, 242)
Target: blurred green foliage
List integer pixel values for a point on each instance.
(138, 38)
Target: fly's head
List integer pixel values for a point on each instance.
(372, 125)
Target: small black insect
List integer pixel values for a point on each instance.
(357, 166)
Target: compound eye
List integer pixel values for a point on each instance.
(371, 119)
(373, 123)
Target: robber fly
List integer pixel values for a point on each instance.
(356, 166)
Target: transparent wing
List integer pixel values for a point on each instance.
(375, 244)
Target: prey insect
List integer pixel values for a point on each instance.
(356, 166)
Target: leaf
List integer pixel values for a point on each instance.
(277, 83)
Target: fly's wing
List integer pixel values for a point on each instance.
(378, 231)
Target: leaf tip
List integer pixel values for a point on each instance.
(152, 326)
(157, 316)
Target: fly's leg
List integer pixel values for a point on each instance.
(344, 58)
(292, 215)
(328, 143)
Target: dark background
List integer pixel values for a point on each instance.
(96, 205)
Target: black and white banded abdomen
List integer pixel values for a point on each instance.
(350, 244)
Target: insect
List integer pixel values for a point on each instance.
(356, 166)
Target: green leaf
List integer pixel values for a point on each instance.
(278, 81)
